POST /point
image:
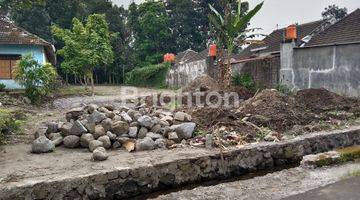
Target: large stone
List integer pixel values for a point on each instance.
(174, 137)
(120, 128)
(156, 128)
(65, 129)
(109, 107)
(146, 121)
(167, 119)
(160, 143)
(96, 117)
(185, 130)
(182, 117)
(142, 132)
(126, 117)
(95, 144)
(74, 114)
(110, 115)
(56, 138)
(52, 127)
(106, 141)
(90, 126)
(91, 108)
(86, 139)
(103, 110)
(100, 154)
(133, 132)
(116, 145)
(107, 124)
(78, 129)
(133, 124)
(42, 131)
(154, 136)
(42, 145)
(145, 144)
(99, 131)
(111, 135)
(72, 141)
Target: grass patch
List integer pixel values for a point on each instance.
(350, 153)
(351, 174)
(73, 91)
(10, 123)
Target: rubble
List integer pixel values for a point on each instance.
(133, 129)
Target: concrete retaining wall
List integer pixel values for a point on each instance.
(118, 184)
(336, 68)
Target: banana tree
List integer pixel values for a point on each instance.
(231, 31)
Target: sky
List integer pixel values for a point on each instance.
(281, 13)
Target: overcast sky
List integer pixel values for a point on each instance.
(280, 13)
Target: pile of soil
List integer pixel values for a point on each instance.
(321, 100)
(207, 85)
(278, 112)
(202, 84)
(274, 110)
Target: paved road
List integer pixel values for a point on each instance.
(343, 190)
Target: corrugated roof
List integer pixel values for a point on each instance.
(272, 42)
(346, 30)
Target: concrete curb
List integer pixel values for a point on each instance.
(123, 183)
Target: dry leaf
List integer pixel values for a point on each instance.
(129, 145)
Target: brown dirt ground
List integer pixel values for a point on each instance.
(280, 113)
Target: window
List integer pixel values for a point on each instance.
(7, 65)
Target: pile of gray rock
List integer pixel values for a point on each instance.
(105, 127)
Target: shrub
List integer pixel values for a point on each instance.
(36, 78)
(244, 80)
(283, 89)
(149, 76)
(10, 122)
(2, 87)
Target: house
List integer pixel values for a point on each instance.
(262, 60)
(188, 66)
(328, 59)
(16, 42)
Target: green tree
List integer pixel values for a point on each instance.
(230, 29)
(86, 46)
(185, 23)
(333, 11)
(151, 32)
(36, 78)
(34, 19)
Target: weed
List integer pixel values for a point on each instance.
(244, 80)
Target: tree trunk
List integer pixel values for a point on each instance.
(92, 83)
(228, 70)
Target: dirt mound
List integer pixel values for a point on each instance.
(320, 100)
(243, 93)
(202, 83)
(274, 110)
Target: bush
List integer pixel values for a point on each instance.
(149, 76)
(283, 89)
(36, 78)
(244, 80)
(10, 122)
(2, 87)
